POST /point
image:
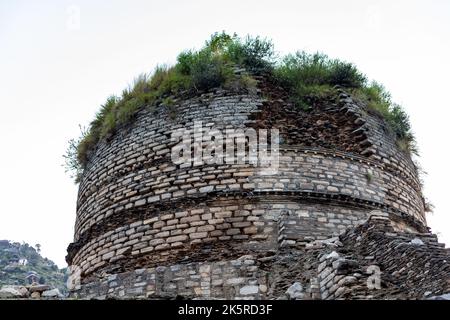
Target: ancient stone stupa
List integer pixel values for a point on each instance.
(337, 213)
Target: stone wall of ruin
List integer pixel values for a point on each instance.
(370, 261)
(136, 209)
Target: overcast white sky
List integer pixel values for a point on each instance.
(55, 73)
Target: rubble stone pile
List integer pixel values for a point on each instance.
(33, 291)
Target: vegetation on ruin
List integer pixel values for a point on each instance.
(306, 75)
(301, 74)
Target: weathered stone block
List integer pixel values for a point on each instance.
(198, 235)
(179, 238)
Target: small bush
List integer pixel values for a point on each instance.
(206, 69)
(378, 99)
(159, 76)
(73, 164)
(346, 75)
(256, 54)
(129, 108)
(175, 82)
(109, 124)
(303, 69)
(307, 75)
(96, 126)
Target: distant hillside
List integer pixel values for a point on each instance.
(20, 264)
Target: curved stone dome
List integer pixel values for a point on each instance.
(137, 209)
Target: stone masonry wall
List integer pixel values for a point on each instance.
(233, 279)
(370, 261)
(136, 209)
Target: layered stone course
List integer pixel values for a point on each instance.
(370, 261)
(179, 228)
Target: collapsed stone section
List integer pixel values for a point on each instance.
(409, 265)
(329, 122)
(138, 210)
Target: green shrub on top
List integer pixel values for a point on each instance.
(205, 68)
(378, 100)
(303, 75)
(302, 70)
(255, 54)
